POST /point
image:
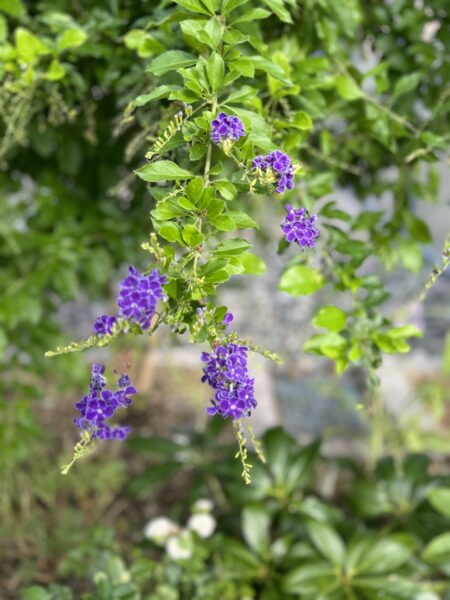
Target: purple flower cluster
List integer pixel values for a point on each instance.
(100, 404)
(226, 127)
(280, 165)
(104, 324)
(226, 372)
(138, 297)
(298, 227)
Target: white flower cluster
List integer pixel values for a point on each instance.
(179, 541)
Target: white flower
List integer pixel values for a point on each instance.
(179, 547)
(202, 523)
(159, 529)
(203, 505)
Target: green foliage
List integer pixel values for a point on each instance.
(288, 541)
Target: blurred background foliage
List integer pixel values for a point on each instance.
(369, 99)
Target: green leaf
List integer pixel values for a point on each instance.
(193, 5)
(438, 550)
(213, 32)
(367, 220)
(330, 317)
(212, 5)
(301, 280)
(243, 220)
(394, 587)
(233, 247)
(300, 468)
(15, 8)
(310, 579)
(406, 331)
(385, 555)
(347, 88)
(439, 498)
(167, 210)
(223, 223)
(187, 204)
(3, 29)
(36, 593)
(406, 84)
(162, 170)
(418, 229)
(170, 232)
(170, 61)
(226, 189)
(134, 38)
(230, 5)
(278, 8)
(244, 67)
(390, 345)
(277, 446)
(215, 69)
(55, 71)
(194, 190)
(255, 528)
(29, 47)
(148, 46)
(252, 15)
(162, 91)
(71, 38)
(410, 255)
(302, 121)
(327, 542)
(253, 265)
(192, 235)
(271, 68)
(328, 344)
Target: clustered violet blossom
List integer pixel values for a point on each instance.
(101, 404)
(298, 227)
(279, 165)
(104, 324)
(137, 300)
(226, 372)
(139, 295)
(226, 127)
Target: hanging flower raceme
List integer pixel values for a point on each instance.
(226, 372)
(275, 167)
(299, 227)
(101, 404)
(137, 300)
(226, 128)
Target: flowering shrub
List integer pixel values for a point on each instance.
(224, 110)
(218, 147)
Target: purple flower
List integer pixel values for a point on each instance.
(100, 405)
(299, 227)
(228, 318)
(226, 372)
(139, 295)
(226, 127)
(104, 324)
(280, 165)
